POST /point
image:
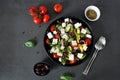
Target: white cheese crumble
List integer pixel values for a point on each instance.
(85, 47)
(88, 36)
(74, 43)
(60, 59)
(71, 57)
(54, 41)
(59, 54)
(66, 20)
(80, 55)
(62, 31)
(50, 35)
(62, 47)
(63, 24)
(52, 50)
(54, 32)
(77, 25)
(83, 31)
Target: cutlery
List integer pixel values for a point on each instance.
(100, 44)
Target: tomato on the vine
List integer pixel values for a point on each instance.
(33, 11)
(58, 8)
(43, 10)
(37, 20)
(46, 18)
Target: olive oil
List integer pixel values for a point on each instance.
(91, 14)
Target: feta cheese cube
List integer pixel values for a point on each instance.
(54, 41)
(57, 50)
(79, 55)
(66, 20)
(62, 47)
(85, 47)
(64, 24)
(62, 31)
(71, 57)
(50, 35)
(54, 32)
(77, 25)
(52, 50)
(83, 31)
(59, 54)
(74, 43)
(88, 36)
(60, 59)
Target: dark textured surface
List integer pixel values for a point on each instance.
(16, 26)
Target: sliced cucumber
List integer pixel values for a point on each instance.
(77, 38)
(69, 49)
(58, 26)
(63, 61)
(88, 31)
(70, 39)
(67, 29)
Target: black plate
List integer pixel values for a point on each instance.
(89, 51)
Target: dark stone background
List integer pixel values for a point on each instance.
(16, 27)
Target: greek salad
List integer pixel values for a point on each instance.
(68, 41)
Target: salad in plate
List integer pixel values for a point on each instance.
(68, 41)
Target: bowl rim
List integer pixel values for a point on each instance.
(80, 20)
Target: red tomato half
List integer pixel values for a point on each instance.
(46, 18)
(47, 41)
(43, 10)
(73, 61)
(57, 36)
(58, 8)
(55, 56)
(88, 41)
(52, 28)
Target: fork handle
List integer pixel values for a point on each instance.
(85, 72)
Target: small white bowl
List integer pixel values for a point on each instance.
(96, 9)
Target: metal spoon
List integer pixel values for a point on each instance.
(100, 44)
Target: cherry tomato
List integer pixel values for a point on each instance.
(43, 10)
(73, 61)
(57, 36)
(55, 56)
(33, 11)
(58, 8)
(37, 20)
(52, 28)
(46, 18)
(47, 41)
(88, 41)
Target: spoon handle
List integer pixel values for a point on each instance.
(85, 72)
